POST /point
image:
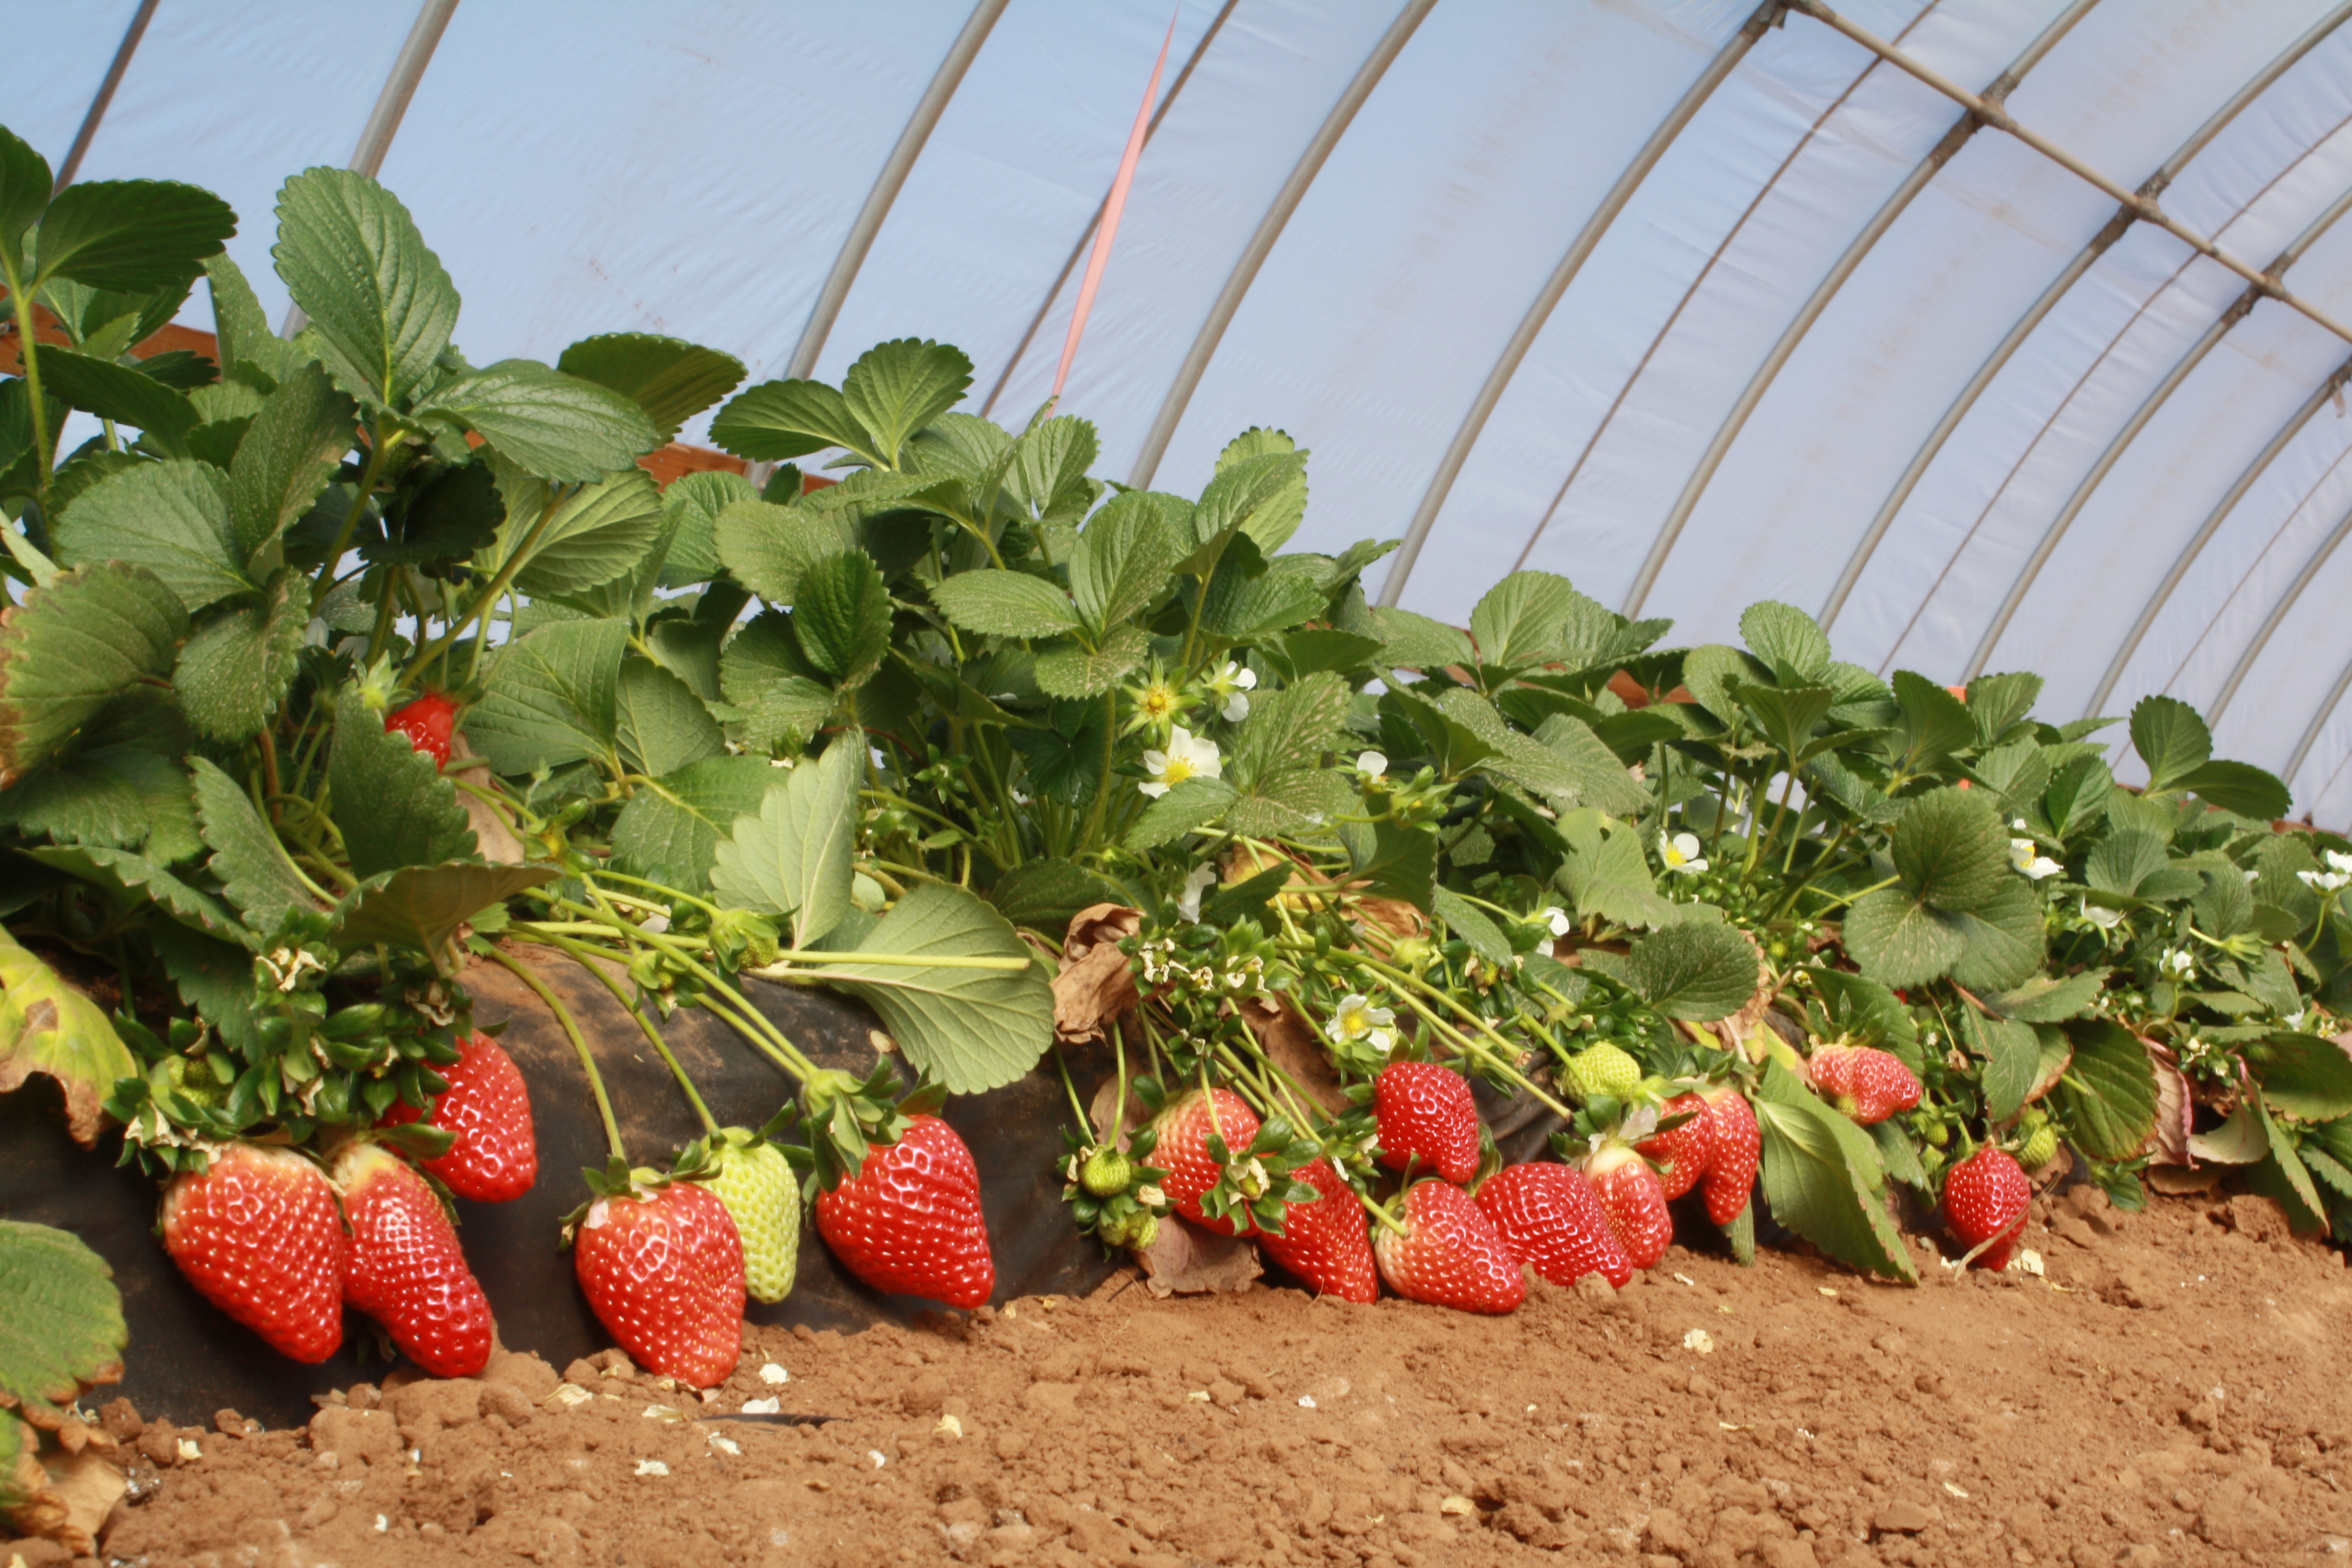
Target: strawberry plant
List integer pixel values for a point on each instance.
(329, 664)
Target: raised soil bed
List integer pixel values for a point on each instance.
(2171, 1391)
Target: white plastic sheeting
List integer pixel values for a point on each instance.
(1407, 178)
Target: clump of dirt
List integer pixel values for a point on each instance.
(2170, 1390)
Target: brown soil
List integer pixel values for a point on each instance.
(2171, 1392)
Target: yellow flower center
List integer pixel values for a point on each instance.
(1159, 701)
(1176, 771)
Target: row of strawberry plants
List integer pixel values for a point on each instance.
(359, 658)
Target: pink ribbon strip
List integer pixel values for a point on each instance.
(1112, 206)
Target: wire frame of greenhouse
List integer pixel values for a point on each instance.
(1999, 334)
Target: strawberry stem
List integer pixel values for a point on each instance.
(1478, 1051)
(1395, 1226)
(587, 1059)
(586, 956)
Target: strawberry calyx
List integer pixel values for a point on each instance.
(844, 1117)
(619, 1179)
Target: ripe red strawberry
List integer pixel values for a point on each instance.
(1738, 1143)
(664, 1271)
(1985, 1196)
(1427, 1120)
(407, 1271)
(1868, 1084)
(428, 723)
(909, 1223)
(1450, 1255)
(1634, 1200)
(1681, 1155)
(487, 1106)
(1326, 1242)
(1552, 1219)
(1184, 1152)
(259, 1234)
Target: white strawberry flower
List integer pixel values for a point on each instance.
(1234, 682)
(2178, 962)
(2339, 862)
(1198, 881)
(2105, 919)
(1372, 765)
(2024, 854)
(1681, 852)
(1188, 756)
(1356, 1019)
(1555, 919)
(2324, 882)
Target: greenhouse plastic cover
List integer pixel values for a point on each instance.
(1694, 303)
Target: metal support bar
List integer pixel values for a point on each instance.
(1269, 229)
(390, 107)
(2209, 527)
(2143, 206)
(887, 185)
(105, 96)
(1695, 487)
(2326, 710)
(1697, 284)
(1596, 227)
(1085, 237)
(2098, 246)
(2090, 481)
(2270, 623)
(2237, 312)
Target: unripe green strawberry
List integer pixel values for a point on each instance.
(1602, 1070)
(2041, 1145)
(1143, 1230)
(1106, 1171)
(764, 1198)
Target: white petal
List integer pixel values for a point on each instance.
(1236, 709)
(1152, 789)
(1371, 764)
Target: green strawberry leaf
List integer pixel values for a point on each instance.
(132, 235)
(69, 649)
(550, 425)
(1788, 640)
(2303, 1075)
(1521, 619)
(239, 666)
(391, 803)
(778, 420)
(664, 726)
(118, 392)
(2107, 1099)
(792, 859)
(381, 304)
(897, 388)
(291, 450)
(692, 504)
(138, 880)
(48, 1028)
(1071, 671)
(669, 830)
(2171, 739)
(251, 863)
(972, 1029)
(2047, 999)
(1005, 603)
(841, 617)
(670, 379)
(1699, 971)
(1193, 804)
(420, 907)
(64, 1331)
(1823, 1179)
(553, 697)
(170, 518)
